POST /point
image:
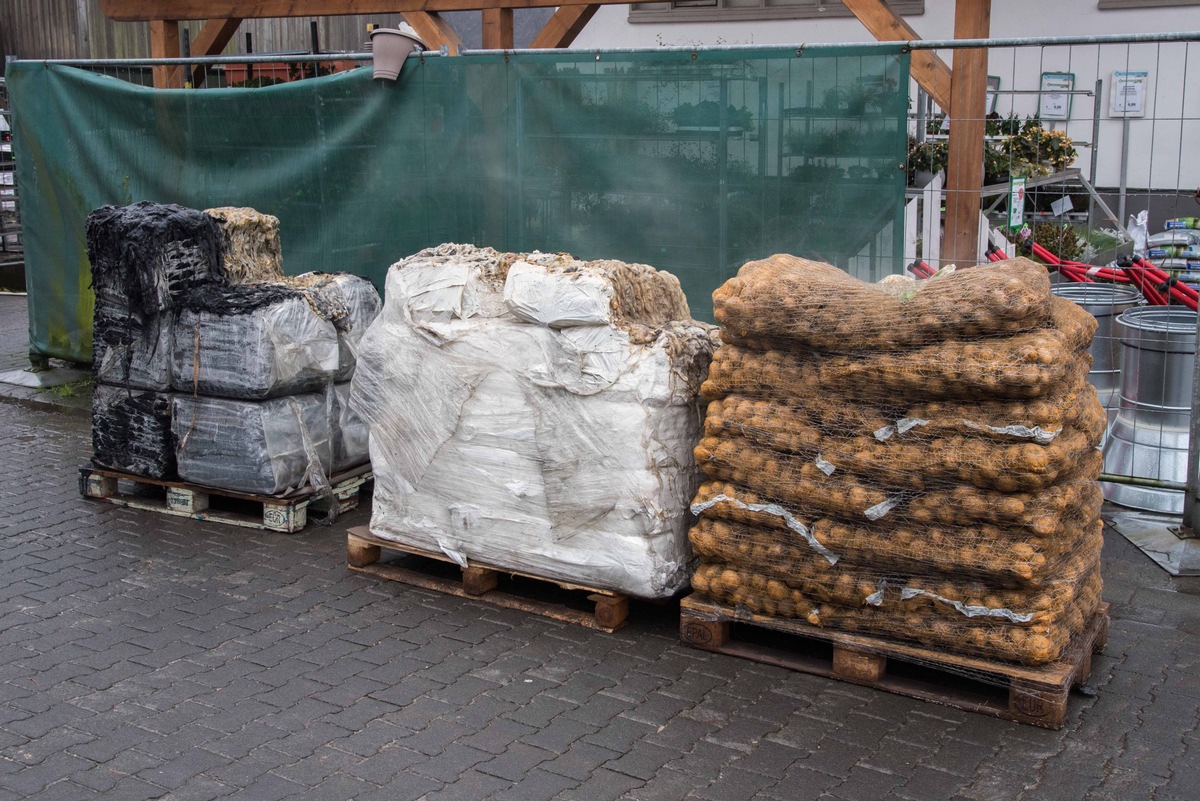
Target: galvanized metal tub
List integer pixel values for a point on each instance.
(1104, 302)
(1149, 436)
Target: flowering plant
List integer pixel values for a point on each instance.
(1035, 151)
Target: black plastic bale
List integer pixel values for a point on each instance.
(131, 431)
(146, 255)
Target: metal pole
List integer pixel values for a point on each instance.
(920, 114)
(316, 46)
(186, 53)
(1097, 110)
(1191, 509)
(1124, 166)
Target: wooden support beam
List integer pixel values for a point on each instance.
(562, 28)
(140, 10)
(211, 40)
(964, 169)
(164, 43)
(929, 71)
(497, 29)
(434, 31)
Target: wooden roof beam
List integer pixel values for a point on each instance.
(929, 71)
(434, 31)
(562, 28)
(211, 40)
(140, 10)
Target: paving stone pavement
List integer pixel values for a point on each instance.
(143, 656)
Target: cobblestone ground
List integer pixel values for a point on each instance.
(144, 657)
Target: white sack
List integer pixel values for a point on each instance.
(560, 452)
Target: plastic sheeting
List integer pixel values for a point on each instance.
(693, 161)
(563, 452)
(349, 432)
(134, 357)
(131, 431)
(349, 302)
(255, 341)
(264, 447)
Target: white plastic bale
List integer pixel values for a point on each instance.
(562, 452)
(280, 349)
(261, 447)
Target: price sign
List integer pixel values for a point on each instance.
(1055, 99)
(1127, 97)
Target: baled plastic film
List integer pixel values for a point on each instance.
(264, 447)
(131, 353)
(131, 431)
(937, 438)
(349, 302)
(254, 342)
(146, 256)
(562, 452)
(348, 432)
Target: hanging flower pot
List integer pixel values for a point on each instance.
(390, 47)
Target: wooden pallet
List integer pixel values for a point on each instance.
(428, 570)
(1035, 695)
(287, 513)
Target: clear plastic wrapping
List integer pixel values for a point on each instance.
(915, 460)
(263, 447)
(128, 355)
(131, 431)
(349, 434)
(351, 303)
(254, 341)
(541, 441)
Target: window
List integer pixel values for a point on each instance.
(724, 10)
(1110, 5)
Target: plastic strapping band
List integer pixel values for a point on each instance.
(771, 509)
(880, 509)
(195, 384)
(970, 611)
(1094, 271)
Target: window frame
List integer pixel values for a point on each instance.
(834, 9)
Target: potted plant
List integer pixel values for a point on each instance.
(925, 160)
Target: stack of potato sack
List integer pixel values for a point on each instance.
(910, 459)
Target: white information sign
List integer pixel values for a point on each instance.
(1055, 100)
(1127, 97)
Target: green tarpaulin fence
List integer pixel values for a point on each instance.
(693, 163)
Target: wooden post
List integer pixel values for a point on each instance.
(964, 170)
(497, 29)
(164, 43)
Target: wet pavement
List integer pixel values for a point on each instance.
(145, 656)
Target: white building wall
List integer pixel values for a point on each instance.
(1164, 145)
